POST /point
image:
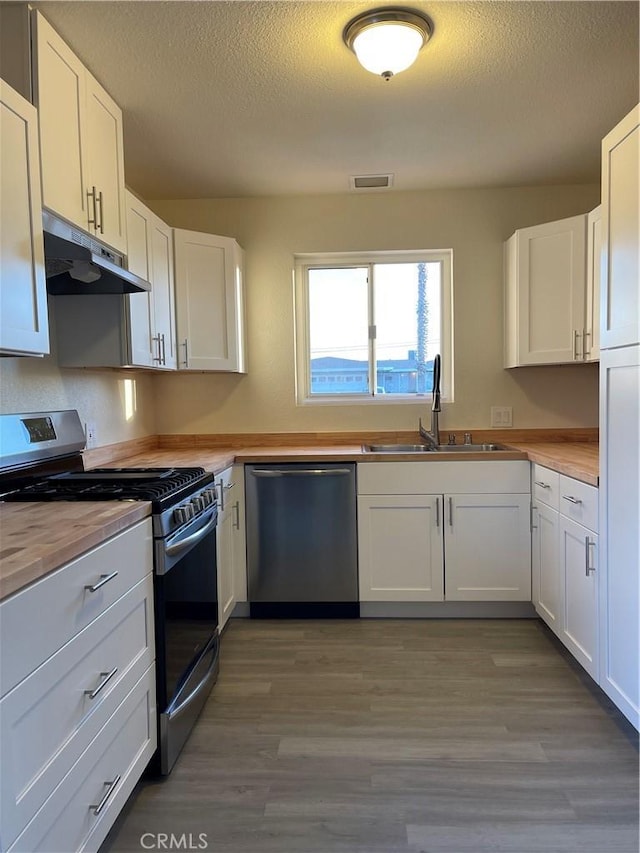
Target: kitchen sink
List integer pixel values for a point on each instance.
(469, 448)
(424, 448)
(397, 448)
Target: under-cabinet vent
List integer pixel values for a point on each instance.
(371, 182)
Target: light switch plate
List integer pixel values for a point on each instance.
(502, 416)
(90, 433)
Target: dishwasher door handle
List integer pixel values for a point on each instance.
(305, 472)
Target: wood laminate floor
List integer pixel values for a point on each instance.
(381, 736)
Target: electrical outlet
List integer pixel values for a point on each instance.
(502, 416)
(90, 433)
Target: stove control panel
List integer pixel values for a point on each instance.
(195, 505)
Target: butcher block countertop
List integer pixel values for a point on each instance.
(578, 459)
(37, 538)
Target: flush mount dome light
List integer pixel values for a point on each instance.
(387, 41)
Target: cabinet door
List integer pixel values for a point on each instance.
(60, 98)
(551, 292)
(164, 308)
(578, 567)
(487, 544)
(619, 527)
(594, 262)
(209, 302)
(103, 140)
(225, 486)
(239, 535)
(620, 302)
(24, 325)
(545, 579)
(140, 305)
(400, 554)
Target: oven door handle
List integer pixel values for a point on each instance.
(193, 539)
(172, 713)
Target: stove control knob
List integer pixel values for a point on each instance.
(180, 515)
(198, 503)
(213, 497)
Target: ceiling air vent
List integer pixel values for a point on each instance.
(371, 182)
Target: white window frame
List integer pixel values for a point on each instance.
(304, 262)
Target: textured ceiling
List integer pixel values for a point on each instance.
(262, 98)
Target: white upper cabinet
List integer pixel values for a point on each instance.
(209, 302)
(545, 293)
(151, 315)
(24, 328)
(594, 263)
(80, 140)
(620, 302)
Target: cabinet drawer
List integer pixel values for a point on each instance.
(545, 486)
(40, 619)
(49, 719)
(225, 488)
(121, 750)
(579, 501)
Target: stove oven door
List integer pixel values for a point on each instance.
(187, 645)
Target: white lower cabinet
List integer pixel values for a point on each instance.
(579, 625)
(565, 562)
(487, 544)
(400, 548)
(230, 542)
(418, 541)
(77, 713)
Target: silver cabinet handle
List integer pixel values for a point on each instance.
(103, 580)
(156, 340)
(541, 484)
(588, 568)
(450, 512)
(577, 335)
(533, 510)
(571, 499)
(437, 512)
(586, 350)
(91, 194)
(164, 350)
(236, 507)
(106, 678)
(111, 787)
(99, 205)
(185, 344)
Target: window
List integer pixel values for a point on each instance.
(369, 325)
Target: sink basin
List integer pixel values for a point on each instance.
(424, 448)
(469, 448)
(397, 448)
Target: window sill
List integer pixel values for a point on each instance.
(378, 400)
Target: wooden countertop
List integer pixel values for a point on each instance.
(37, 538)
(575, 459)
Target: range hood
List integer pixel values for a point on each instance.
(76, 263)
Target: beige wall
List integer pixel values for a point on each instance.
(119, 403)
(474, 223)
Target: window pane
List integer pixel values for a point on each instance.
(407, 318)
(339, 331)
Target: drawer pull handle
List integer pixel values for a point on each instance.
(437, 512)
(96, 809)
(571, 499)
(541, 484)
(103, 580)
(106, 678)
(588, 568)
(450, 512)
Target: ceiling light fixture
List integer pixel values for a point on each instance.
(387, 41)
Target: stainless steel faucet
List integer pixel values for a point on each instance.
(432, 436)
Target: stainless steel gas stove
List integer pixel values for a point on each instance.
(41, 461)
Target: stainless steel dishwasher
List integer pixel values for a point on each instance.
(302, 551)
